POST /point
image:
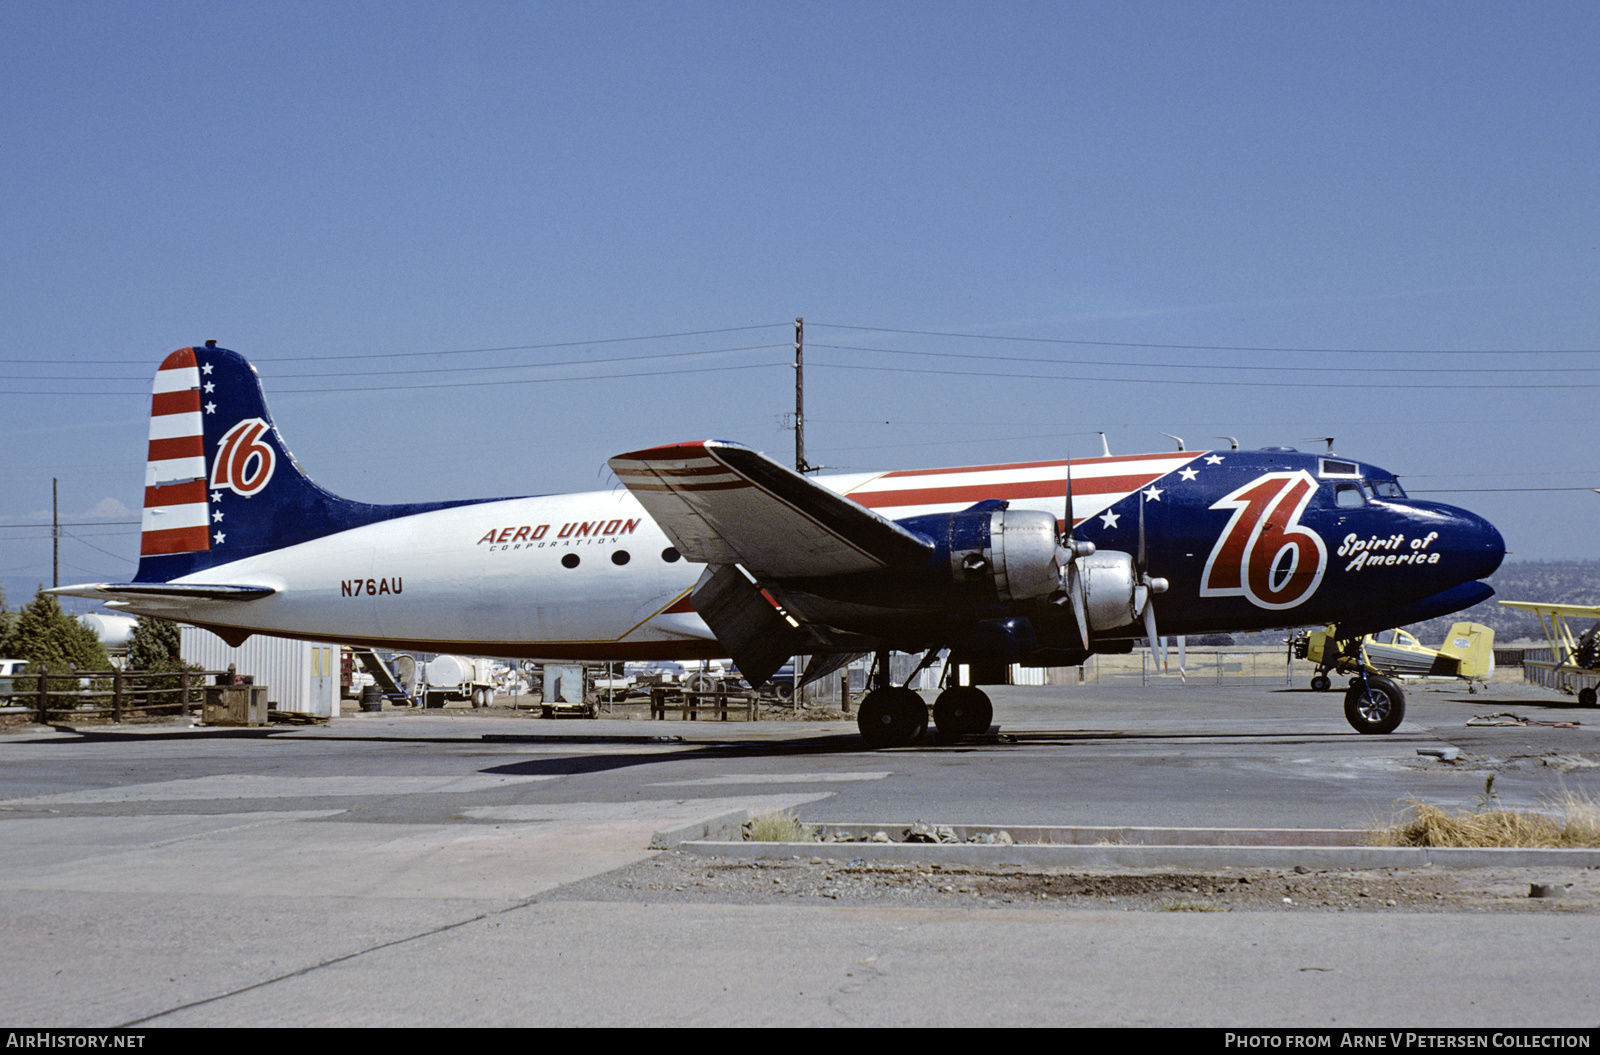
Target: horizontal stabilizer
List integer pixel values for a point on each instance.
(722, 503)
(152, 594)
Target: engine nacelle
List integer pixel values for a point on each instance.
(1110, 580)
(1011, 551)
(982, 556)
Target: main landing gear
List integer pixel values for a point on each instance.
(895, 716)
(892, 716)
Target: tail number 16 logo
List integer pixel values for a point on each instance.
(1264, 553)
(243, 462)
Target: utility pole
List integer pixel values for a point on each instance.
(796, 696)
(55, 530)
(800, 465)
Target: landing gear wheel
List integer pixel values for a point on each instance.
(892, 717)
(1378, 707)
(963, 710)
(1586, 697)
(1321, 683)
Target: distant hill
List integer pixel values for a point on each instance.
(1550, 581)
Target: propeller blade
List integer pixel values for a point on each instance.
(1072, 576)
(1138, 566)
(1079, 592)
(1155, 639)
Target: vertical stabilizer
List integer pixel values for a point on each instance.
(1472, 645)
(220, 485)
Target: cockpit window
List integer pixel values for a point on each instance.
(1388, 489)
(1333, 467)
(1347, 496)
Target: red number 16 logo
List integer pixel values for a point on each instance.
(243, 463)
(1264, 553)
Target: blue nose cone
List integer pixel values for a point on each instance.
(1482, 546)
(1472, 546)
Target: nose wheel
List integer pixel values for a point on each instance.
(1374, 705)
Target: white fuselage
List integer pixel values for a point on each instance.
(579, 576)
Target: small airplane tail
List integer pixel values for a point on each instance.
(1472, 646)
(220, 485)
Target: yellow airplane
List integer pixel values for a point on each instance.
(1467, 652)
(1574, 654)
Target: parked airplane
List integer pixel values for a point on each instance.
(710, 549)
(1575, 655)
(1467, 652)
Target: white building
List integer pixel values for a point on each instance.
(301, 676)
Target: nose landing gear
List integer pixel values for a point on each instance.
(1374, 704)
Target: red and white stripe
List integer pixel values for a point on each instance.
(684, 467)
(1097, 484)
(175, 512)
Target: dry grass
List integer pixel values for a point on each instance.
(777, 827)
(1170, 905)
(1571, 821)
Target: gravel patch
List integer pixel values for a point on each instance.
(679, 878)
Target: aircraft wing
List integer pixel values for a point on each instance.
(723, 503)
(1571, 611)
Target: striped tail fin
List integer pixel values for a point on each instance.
(220, 486)
(175, 510)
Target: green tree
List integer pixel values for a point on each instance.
(43, 633)
(154, 646)
(46, 636)
(7, 617)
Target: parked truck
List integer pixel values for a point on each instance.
(447, 678)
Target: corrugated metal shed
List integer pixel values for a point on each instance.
(302, 676)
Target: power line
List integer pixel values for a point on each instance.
(451, 351)
(1486, 490)
(1217, 366)
(1223, 347)
(475, 369)
(1366, 386)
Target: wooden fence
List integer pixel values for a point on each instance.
(117, 693)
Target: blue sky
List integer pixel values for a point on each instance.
(1089, 211)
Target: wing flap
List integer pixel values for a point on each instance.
(722, 503)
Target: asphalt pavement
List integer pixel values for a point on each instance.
(401, 869)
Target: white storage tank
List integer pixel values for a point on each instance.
(114, 631)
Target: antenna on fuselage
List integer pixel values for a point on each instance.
(1170, 436)
(1104, 446)
(1325, 439)
(1233, 444)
